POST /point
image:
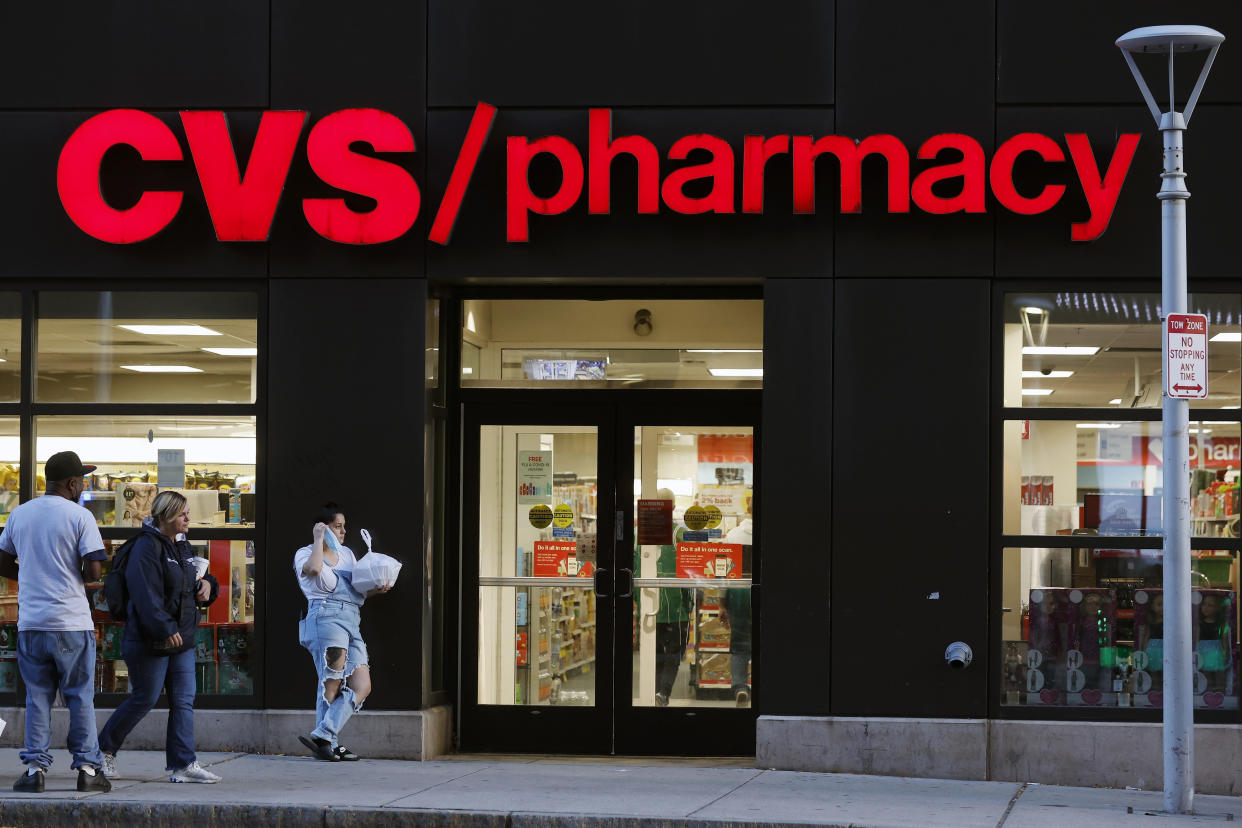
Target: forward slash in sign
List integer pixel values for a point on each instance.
(463, 169)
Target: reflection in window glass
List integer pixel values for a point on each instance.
(1090, 629)
(432, 344)
(126, 347)
(211, 460)
(1103, 349)
(615, 343)
(225, 637)
(1106, 477)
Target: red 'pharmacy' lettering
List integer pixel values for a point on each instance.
(242, 203)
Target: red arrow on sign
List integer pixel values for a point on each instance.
(1195, 388)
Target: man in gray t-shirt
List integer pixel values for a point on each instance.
(50, 546)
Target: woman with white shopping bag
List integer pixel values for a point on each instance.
(330, 631)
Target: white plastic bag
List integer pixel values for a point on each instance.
(375, 569)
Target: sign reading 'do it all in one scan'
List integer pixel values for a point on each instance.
(1185, 353)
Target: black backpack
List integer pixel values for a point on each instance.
(115, 591)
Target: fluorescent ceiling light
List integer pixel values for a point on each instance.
(1034, 311)
(163, 369)
(1097, 425)
(171, 330)
(1220, 422)
(1060, 350)
(1036, 392)
(467, 370)
(1201, 431)
(1231, 406)
(1116, 401)
(232, 351)
(724, 350)
(1046, 374)
(735, 372)
(1225, 336)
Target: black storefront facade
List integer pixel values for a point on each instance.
(894, 452)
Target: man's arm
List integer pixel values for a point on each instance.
(92, 565)
(8, 566)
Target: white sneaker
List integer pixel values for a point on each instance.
(194, 772)
(109, 766)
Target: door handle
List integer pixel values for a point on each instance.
(602, 575)
(629, 583)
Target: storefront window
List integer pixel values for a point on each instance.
(145, 347)
(1105, 477)
(1102, 350)
(210, 460)
(10, 349)
(612, 344)
(1085, 628)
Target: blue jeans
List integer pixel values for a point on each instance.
(148, 676)
(64, 659)
(333, 623)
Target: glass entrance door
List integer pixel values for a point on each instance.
(610, 573)
(540, 550)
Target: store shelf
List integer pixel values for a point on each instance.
(708, 648)
(577, 664)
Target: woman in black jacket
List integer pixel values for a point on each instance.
(158, 644)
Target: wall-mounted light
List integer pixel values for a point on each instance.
(642, 322)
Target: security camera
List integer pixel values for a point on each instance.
(958, 655)
(1045, 371)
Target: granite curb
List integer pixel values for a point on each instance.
(102, 812)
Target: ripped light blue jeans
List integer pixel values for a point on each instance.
(333, 623)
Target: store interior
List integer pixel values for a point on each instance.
(1078, 622)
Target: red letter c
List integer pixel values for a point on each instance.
(77, 176)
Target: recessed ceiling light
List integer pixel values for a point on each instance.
(467, 370)
(171, 330)
(1200, 431)
(1034, 311)
(724, 350)
(1097, 425)
(1036, 392)
(1060, 350)
(1116, 401)
(1220, 422)
(1046, 374)
(163, 369)
(232, 351)
(735, 372)
(1225, 336)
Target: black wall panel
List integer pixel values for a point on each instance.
(910, 495)
(327, 57)
(624, 244)
(1062, 51)
(40, 240)
(907, 85)
(147, 54)
(1040, 245)
(644, 53)
(797, 404)
(345, 426)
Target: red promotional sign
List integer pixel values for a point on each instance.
(709, 560)
(559, 559)
(698, 174)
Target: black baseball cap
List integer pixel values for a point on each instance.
(65, 464)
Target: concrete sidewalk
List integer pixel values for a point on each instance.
(550, 792)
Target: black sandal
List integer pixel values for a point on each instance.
(320, 748)
(344, 754)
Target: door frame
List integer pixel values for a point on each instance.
(613, 725)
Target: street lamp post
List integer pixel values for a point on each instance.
(1179, 787)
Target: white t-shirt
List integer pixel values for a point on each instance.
(323, 584)
(49, 536)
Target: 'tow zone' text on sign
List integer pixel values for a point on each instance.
(1185, 347)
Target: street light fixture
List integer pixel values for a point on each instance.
(1179, 789)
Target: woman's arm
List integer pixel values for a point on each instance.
(315, 562)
